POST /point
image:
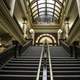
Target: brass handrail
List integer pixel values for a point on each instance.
(50, 66)
(38, 73)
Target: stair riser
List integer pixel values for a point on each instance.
(27, 69)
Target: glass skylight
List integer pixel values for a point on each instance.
(46, 8)
(42, 13)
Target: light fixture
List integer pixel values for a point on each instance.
(0, 44)
(31, 31)
(59, 31)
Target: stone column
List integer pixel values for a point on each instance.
(12, 6)
(32, 34)
(59, 36)
(78, 5)
(67, 30)
(25, 29)
(66, 27)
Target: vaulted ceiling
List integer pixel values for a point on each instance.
(46, 10)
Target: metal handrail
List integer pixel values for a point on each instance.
(50, 66)
(38, 73)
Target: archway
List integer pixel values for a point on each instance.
(51, 39)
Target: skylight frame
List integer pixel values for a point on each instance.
(53, 6)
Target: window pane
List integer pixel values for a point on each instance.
(41, 5)
(55, 16)
(50, 13)
(42, 17)
(36, 16)
(48, 9)
(57, 8)
(42, 9)
(58, 5)
(41, 1)
(41, 13)
(35, 8)
(61, 1)
(49, 5)
(34, 5)
(57, 13)
(35, 13)
(50, 16)
(50, 1)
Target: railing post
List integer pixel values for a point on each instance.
(75, 44)
(71, 50)
(15, 49)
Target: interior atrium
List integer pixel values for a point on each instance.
(40, 39)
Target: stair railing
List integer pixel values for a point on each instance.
(50, 66)
(39, 68)
(45, 62)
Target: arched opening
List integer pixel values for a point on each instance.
(50, 39)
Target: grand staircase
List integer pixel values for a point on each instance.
(26, 67)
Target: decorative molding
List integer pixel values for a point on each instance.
(75, 32)
(8, 23)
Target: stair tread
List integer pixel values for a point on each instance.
(20, 64)
(62, 76)
(52, 61)
(65, 59)
(37, 64)
(67, 76)
(27, 58)
(66, 71)
(65, 64)
(20, 67)
(16, 71)
(66, 67)
(10, 75)
(24, 61)
(41, 71)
